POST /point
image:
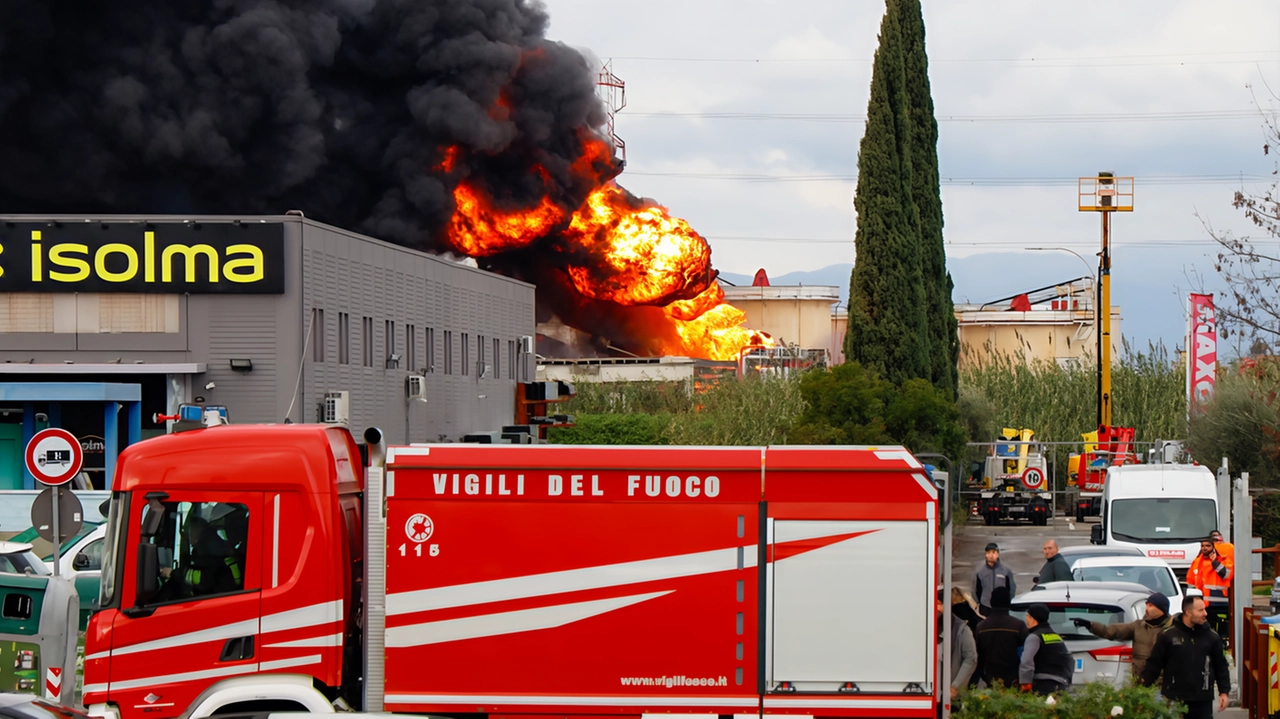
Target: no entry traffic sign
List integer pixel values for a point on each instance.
(1033, 478)
(54, 456)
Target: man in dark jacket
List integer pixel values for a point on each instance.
(990, 575)
(1190, 655)
(211, 568)
(1047, 665)
(999, 637)
(1055, 568)
(1143, 632)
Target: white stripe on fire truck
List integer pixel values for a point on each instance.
(329, 641)
(900, 454)
(314, 615)
(577, 580)
(569, 580)
(803, 702)
(226, 631)
(214, 673)
(563, 700)
(522, 620)
(927, 485)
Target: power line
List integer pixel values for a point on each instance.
(1018, 244)
(1052, 61)
(1145, 180)
(1063, 118)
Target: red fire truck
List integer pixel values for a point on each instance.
(288, 567)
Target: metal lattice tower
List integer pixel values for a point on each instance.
(613, 93)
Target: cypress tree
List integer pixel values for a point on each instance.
(944, 343)
(888, 328)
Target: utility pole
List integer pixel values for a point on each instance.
(1104, 193)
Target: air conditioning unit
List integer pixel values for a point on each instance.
(526, 344)
(415, 387)
(337, 408)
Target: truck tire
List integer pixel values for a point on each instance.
(990, 518)
(1080, 514)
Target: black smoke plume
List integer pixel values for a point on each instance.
(340, 108)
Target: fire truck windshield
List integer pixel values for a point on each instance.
(1163, 520)
(111, 548)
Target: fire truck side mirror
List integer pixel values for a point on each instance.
(148, 573)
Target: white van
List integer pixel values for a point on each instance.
(1162, 509)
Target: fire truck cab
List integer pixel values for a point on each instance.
(266, 568)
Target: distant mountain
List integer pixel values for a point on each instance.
(829, 276)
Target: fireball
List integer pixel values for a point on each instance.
(639, 256)
(614, 248)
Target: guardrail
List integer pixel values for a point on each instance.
(1255, 658)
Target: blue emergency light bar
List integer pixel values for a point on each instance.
(190, 413)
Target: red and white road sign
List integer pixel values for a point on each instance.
(54, 456)
(53, 683)
(1033, 478)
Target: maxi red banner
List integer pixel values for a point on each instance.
(1202, 349)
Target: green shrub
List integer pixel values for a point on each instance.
(1095, 700)
(612, 429)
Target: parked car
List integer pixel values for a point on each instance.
(27, 706)
(1154, 574)
(17, 558)
(1103, 602)
(81, 559)
(1080, 551)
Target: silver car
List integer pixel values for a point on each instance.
(1102, 602)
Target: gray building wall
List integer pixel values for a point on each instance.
(374, 283)
(328, 271)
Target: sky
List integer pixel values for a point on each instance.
(744, 117)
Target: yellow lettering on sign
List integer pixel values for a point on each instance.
(149, 256)
(100, 262)
(248, 269)
(190, 253)
(37, 270)
(57, 256)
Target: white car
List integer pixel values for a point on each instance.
(1154, 574)
(17, 558)
(1104, 602)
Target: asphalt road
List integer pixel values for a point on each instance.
(1020, 547)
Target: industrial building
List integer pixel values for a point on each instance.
(1055, 323)
(106, 322)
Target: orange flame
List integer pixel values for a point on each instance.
(480, 230)
(449, 160)
(718, 334)
(641, 256)
(620, 249)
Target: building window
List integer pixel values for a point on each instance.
(497, 361)
(520, 364)
(511, 359)
(344, 338)
(411, 348)
(431, 349)
(366, 340)
(466, 353)
(480, 356)
(390, 341)
(317, 337)
(448, 351)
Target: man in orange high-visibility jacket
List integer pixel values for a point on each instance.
(1224, 548)
(1211, 573)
